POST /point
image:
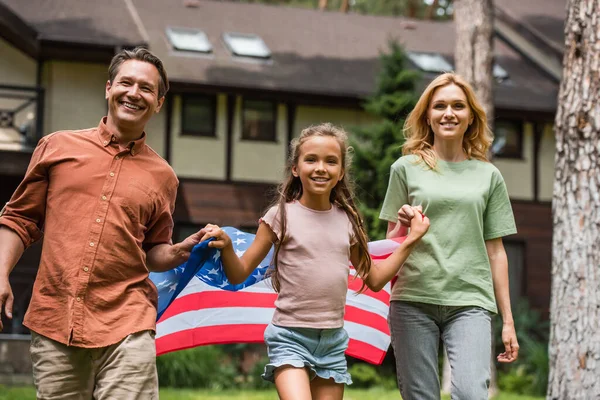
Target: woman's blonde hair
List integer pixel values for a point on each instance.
(419, 136)
(341, 196)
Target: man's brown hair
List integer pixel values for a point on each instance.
(140, 54)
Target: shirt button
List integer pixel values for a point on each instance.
(112, 174)
(78, 298)
(117, 157)
(98, 220)
(132, 153)
(86, 269)
(103, 197)
(91, 244)
(105, 142)
(113, 139)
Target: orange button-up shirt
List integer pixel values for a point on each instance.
(101, 206)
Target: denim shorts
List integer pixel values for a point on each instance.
(321, 351)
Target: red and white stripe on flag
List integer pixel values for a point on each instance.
(204, 315)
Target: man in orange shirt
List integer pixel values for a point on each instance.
(104, 201)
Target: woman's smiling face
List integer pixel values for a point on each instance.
(449, 113)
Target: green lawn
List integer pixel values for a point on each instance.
(26, 393)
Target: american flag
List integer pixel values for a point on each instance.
(198, 306)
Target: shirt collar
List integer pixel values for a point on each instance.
(107, 138)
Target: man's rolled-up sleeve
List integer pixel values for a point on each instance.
(26, 210)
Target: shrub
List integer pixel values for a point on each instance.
(364, 375)
(199, 367)
(529, 374)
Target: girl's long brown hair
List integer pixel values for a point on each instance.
(419, 136)
(341, 196)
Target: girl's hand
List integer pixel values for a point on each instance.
(222, 239)
(406, 213)
(419, 224)
(511, 346)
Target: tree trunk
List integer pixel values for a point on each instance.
(473, 58)
(345, 6)
(412, 7)
(322, 5)
(432, 9)
(575, 306)
(473, 54)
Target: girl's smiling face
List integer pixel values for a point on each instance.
(319, 167)
(449, 113)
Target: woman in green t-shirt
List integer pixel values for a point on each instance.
(450, 285)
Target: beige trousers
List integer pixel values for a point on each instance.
(125, 370)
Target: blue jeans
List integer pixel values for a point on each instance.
(321, 351)
(416, 330)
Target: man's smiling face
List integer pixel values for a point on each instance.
(133, 94)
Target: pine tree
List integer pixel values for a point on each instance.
(376, 147)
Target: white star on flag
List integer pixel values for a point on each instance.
(217, 255)
(173, 287)
(240, 253)
(163, 283)
(239, 241)
(258, 275)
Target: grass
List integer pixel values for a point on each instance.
(26, 393)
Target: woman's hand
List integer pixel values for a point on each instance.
(222, 239)
(511, 346)
(406, 213)
(419, 225)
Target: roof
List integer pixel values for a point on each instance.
(18, 32)
(316, 52)
(544, 18)
(106, 22)
(313, 52)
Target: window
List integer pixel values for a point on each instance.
(436, 63)
(188, 39)
(508, 139)
(499, 73)
(430, 62)
(246, 45)
(198, 115)
(515, 252)
(258, 120)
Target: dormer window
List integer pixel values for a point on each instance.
(430, 62)
(436, 63)
(189, 39)
(246, 45)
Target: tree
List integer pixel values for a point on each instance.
(473, 59)
(376, 147)
(345, 6)
(473, 54)
(575, 306)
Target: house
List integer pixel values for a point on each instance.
(246, 78)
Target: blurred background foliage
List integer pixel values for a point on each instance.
(421, 9)
(377, 146)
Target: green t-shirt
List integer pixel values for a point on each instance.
(467, 204)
